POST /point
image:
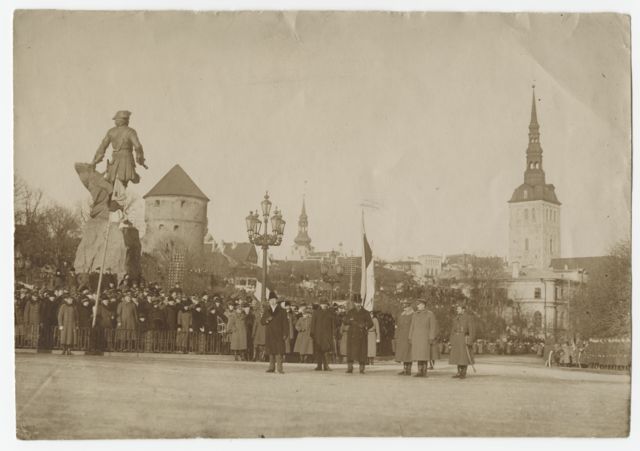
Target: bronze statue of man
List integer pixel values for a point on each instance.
(125, 142)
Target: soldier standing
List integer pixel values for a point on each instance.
(422, 334)
(461, 340)
(125, 142)
(359, 322)
(403, 347)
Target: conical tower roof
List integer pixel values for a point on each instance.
(176, 182)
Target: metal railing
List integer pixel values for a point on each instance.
(124, 340)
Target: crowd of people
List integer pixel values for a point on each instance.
(145, 318)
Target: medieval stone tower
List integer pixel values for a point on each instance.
(175, 213)
(534, 209)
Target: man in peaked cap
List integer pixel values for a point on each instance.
(461, 340)
(125, 142)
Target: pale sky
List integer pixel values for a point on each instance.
(424, 114)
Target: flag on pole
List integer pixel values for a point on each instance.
(368, 284)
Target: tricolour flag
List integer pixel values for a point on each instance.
(368, 284)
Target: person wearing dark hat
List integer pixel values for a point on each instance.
(125, 142)
(49, 321)
(323, 333)
(184, 328)
(67, 323)
(84, 313)
(461, 340)
(401, 337)
(249, 320)
(359, 322)
(422, 333)
(276, 325)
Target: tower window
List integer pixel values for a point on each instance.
(537, 293)
(182, 202)
(161, 227)
(526, 194)
(175, 228)
(157, 203)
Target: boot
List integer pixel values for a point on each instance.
(463, 372)
(325, 362)
(272, 364)
(279, 364)
(69, 350)
(404, 370)
(349, 367)
(420, 370)
(457, 376)
(361, 368)
(408, 370)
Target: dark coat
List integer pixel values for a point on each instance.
(157, 318)
(49, 313)
(403, 347)
(68, 321)
(197, 320)
(323, 330)
(359, 322)
(211, 322)
(104, 319)
(84, 315)
(249, 320)
(463, 334)
(422, 333)
(277, 330)
(171, 317)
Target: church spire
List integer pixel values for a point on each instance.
(534, 174)
(303, 239)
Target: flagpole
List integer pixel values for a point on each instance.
(104, 259)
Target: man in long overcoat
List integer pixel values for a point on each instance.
(277, 331)
(403, 347)
(67, 323)
(323, 330)
(359, 322)
(461, 341)
(422, 333)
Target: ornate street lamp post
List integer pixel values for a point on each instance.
(265, 239)
(332, 272)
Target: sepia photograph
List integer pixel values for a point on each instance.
(286, 224)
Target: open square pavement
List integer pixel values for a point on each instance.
(175, 396)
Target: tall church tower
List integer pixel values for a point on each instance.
(302, 243)
(534, 209)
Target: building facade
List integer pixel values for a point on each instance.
(534, 210)
(175, 214)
